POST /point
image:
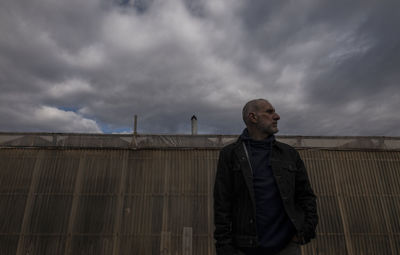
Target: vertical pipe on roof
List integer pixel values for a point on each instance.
(135, 125)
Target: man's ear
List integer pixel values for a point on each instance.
(253, 116)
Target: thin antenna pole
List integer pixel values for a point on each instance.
(135, 125)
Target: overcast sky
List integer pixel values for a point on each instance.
(328, 67)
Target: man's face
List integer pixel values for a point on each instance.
(267, 118)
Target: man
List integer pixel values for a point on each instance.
(263, 201)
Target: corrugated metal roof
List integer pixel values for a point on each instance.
(159, 201)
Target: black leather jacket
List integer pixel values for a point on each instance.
(234, 203)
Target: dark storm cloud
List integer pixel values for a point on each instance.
(330, 68)
(372, 65)
(348, 53)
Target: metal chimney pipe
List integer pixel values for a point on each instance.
(194, 125)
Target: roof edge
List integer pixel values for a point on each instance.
(143, 141)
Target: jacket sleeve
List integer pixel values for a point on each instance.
(306, 199)
(223, 190)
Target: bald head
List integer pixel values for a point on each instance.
(251, 106)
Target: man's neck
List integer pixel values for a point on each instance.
(257, 136)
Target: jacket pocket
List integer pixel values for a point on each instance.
(286, 178)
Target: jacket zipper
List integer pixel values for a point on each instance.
(248, 158)
(252, 175)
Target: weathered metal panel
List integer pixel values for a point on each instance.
(95, 215)
(16, 170)
(91, 244)
(174, 189)
(365, 186)
(58, 173)
(8, 243)
(140, 244)
(49, 214)
(102, 172)
(42, 244)
(11, 212)
(57, 201)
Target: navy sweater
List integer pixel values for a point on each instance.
(274, 228)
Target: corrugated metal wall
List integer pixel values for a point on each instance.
(358, 201)
(88, 201)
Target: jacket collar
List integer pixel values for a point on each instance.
(242, 138)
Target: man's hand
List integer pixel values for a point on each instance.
(296, 239)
